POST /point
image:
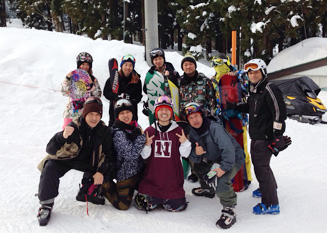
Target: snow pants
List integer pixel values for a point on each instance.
(120, 194)
(51, 174)
(261, 156)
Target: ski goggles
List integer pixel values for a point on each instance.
(218, 62)
(83, 57)
(122, 102)
(91, 100)
(251, 66)
(191, 108)
(156, 53)
(163, 100)
(128, 57)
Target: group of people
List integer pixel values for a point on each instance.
(121, 158)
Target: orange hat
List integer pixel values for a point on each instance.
(163, 106)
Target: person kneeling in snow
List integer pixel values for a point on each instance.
(84, 145)
(129, 141)
(217, 156)
(162, 183)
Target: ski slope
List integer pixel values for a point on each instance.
(34, 63)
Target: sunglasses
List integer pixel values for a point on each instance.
(121, 102)
(128, 57)
(155, 53)
(251, 66)
(191, 108)
(93, 100)
(218, 62)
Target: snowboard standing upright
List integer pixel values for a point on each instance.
(230, 89)
(79, 89)
(113, 74)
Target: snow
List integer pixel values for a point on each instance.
(34, 63)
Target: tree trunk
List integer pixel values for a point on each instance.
(179, 39)
(3, 22)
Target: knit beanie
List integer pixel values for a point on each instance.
(188, 57)
(92, 105)
(163, 106)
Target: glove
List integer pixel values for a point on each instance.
(280, 144)
(211, 178)
(135, 133)
(145, 108)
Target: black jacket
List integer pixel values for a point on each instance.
(131, 86)
(267, 111)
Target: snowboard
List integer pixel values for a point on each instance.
(81, 83)
(174, 92)
(230, 89)
(155, 86)
(113, 74)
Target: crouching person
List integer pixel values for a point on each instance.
(128, 140)
(217, 157)
(162, 183)
(84, 145)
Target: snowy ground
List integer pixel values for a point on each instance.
(33, 64)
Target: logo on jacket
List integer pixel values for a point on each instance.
(162, 149)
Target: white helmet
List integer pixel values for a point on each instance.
(256, 64)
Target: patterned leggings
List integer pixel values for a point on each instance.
(120, 195)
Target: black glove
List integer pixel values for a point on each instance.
(230, 105)
(280, 144)
(211, 178)
(145, 108)
(135, 133)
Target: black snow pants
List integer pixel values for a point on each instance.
(261, 156)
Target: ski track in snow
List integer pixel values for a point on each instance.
(31, 116)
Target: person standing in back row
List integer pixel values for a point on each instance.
(130, 87)
(267, 115)
(73, 109)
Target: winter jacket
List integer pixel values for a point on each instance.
(266, 108)
(197, 89)
(173, 76)
(76, 147)
(130, 86)
(66, 90)
(220, 147)
(163, 176)
(129, 161)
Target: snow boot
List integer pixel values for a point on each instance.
(263, 209)
(257, 193)
(92, 193)
(206, 192)
(141, 202)
(192, 178)
(227, 218)
(44, 214)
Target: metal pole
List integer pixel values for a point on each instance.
(124, 22)
(151, 27)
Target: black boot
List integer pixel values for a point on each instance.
(44, 214)
(91, 193)
(227, 218)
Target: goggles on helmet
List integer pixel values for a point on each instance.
(191, 108)
(163, 100)
(121, 102)
(218, 62)
(93, 100)
(251, 66)
(128, 57)
(156, 53)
